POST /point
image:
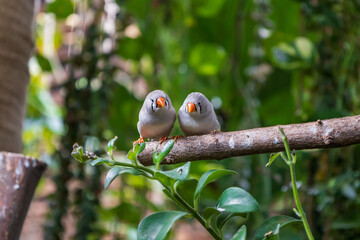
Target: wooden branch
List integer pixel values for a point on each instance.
(19, 176)
(332, 133)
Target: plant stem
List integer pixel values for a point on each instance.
(183, 203)
(298, 203)
(196, 215)
(291, 160)
(145, 169)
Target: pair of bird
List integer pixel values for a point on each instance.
(157, 116)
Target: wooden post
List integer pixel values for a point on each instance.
(19, 176)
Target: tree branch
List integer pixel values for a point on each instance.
(331, 133)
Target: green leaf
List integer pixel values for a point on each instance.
(61, 8)
(273, 156)
(208, 8)
(164, 152)
(209, 211)
(169, 178)
(43, 62)
(117, 170)
(206, 178)
(304, 47)
(240, 234)
(272, 226)
(131, 155)
(139, 148)
(129, 48)
(226, 216)
(180, 173)
(207, 58)
(212, 217)
(237, 200)
(102, 161)
(222, 219)
(157, 225)
(165, 180)
(79, 154)
(298, 54)
(212, 222)
(111, 146)
(186, 189)
(169, 195)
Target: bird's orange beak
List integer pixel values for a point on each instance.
(191, 107)
(160, 102)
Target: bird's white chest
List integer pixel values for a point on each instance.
(193, 126)
(155, 130)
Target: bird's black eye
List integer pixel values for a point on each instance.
(199, 106)
(152, 104)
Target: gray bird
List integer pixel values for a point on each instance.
(156, 117)
(197, 115)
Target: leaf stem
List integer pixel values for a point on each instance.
(196, 215)
(286, 143)
(145, 169)
(291, 161)
(298, 203)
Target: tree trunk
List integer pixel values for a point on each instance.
(18, 178)
(18, 174)
(15, 48)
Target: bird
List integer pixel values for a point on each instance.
(156, 117)
(197, 116)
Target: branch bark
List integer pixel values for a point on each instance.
(331, 133)
(19, 176)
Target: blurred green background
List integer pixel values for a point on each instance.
(260, 62)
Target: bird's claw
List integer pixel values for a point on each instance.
(176, 137)
(163, 139)
(215, 131)
(140, 140)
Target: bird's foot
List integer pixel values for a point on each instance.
(163, 139)
(215, 131)
(140, 140)
(176, 137)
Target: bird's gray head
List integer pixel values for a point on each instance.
(196, 104)
(157, 100)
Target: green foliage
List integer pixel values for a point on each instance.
(270, 229)
(79, 154)
(206, 178)
(240, 234)
(180, 173)
(298, 54)
(273, 223)
(43, 62)
(157, 225)
(159, 157)
(186, 189)
(316, 77)
(117, 171)
(111, 147)
(61, 8)
(182, 191)
(206, 59)
(237, 200)
(102, 161)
